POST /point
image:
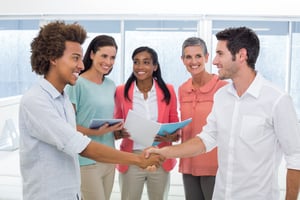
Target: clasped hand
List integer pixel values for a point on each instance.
(168, 137)
(149, 155)
(121, 134)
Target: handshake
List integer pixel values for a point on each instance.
(151, 159)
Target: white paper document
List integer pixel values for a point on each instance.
(143, 131)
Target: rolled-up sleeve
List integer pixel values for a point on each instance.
(287, 129)
(77, 143)
(209, 133)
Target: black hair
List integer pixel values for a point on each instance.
(98, 42)
(156, 74)
(241, 37)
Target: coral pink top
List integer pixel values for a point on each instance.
(166, 114)
(197, 103)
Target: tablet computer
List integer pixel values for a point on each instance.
(96, 123)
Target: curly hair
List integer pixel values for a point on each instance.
(50, 43)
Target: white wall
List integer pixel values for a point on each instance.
(152, 7)
(10, 177)
(9, 108)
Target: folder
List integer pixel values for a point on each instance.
(143, 131)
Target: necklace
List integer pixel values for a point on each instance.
(144, 87)
(145, 90)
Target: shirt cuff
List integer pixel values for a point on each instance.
(208, 141)
(293, 161)
(77, 144)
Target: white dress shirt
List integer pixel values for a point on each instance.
(145, 107)
(49, 145)
(252, 133)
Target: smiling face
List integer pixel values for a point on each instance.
(104, 59)
(194, 59)
(65, 70)
(225, 62)
(143, 66)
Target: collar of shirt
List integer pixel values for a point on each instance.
(47, 86)
(146, 107)
(254, 89)
(207, 88)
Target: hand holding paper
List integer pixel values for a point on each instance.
(143, 131)
(168, 137)
(171, 128)
(121, 134)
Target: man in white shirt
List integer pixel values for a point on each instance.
(49, 141)
(252, 122)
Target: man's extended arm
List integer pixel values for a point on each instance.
(191, 147)
(292, 184)
(106, 154)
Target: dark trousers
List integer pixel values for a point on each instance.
(198, 187)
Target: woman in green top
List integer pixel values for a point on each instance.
(93, 97)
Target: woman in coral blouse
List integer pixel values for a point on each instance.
(196, 100)
(146, 93)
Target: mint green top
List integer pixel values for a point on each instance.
(93, 101)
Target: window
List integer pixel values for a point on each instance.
(105, 27)
(278, 60)
(15, 69)
(295, 66)
(166, 38)
(273, 36)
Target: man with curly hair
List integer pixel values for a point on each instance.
(49, 141)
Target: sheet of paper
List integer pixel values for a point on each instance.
(141, 130)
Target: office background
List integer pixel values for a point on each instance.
(162, 25)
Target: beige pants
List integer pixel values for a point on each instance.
(97, 181)
(132, 183)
